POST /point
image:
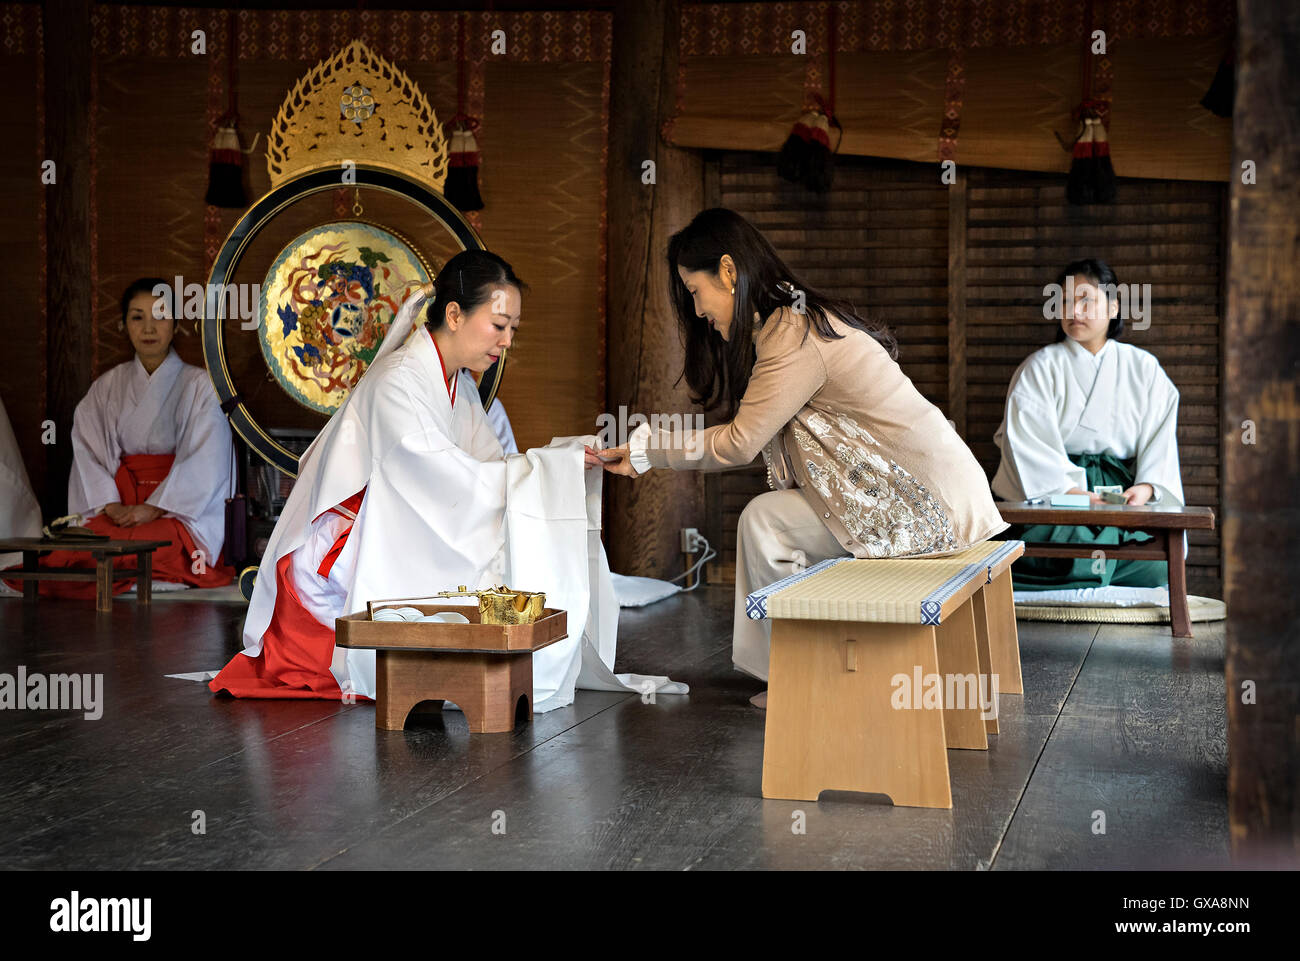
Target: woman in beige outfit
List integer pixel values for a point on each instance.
(859, 462)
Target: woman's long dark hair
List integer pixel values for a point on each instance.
(717, 371)
(467, 279)
(1099, 272)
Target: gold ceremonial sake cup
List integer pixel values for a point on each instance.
(501, 605)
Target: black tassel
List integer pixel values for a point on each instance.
(806, 156)
(1223, 89)
(226, 171)
(792, 161)
(461, 188)
(1092, 175)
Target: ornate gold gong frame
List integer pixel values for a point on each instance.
(322, 132)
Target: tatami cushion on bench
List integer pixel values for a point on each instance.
(876, 591)
(893, 586)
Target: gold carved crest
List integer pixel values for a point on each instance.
(357, 107)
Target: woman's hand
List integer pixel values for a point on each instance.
(117, 513)
(139, 514)
(1092, 495)
(615, 460)
(1139, 494)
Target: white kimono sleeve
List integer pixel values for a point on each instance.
(496, 415)
(1033, 446)
(1157, 451)
(95, 457)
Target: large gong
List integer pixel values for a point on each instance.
(328, 286)
(308, 282)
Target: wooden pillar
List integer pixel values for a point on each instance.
(645, 356)
(1261, 522)
(69, 299)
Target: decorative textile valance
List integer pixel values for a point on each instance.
(982, 82)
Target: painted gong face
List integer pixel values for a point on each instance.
(326, 304)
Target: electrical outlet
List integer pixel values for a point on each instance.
(690, 540)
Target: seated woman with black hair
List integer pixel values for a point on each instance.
(153, 457)
(1089, 410)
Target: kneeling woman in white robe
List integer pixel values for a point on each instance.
(406, 492)
(1085, 411)
(152, 457)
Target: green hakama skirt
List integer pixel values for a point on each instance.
(1065, 573)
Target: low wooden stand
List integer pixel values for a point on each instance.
(103, 575)
(1166, 526)
(485, 669)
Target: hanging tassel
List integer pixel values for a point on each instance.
(806, 156)
(226, 170)
(225, 159)
(793, 162)
(1223, 89)
(1092, 175)
(1103, 171)
(461, 188)
(821, 162)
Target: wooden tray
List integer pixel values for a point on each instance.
(359, 631)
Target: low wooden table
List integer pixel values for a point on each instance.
(1165, 524)
(103, 575)
(484, 669)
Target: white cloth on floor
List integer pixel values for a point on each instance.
(640, 591)
(1110, 596)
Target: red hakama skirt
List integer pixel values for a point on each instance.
(297, 649)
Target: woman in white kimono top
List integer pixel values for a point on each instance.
(153, 457)
(406, 492)
(1085, 411)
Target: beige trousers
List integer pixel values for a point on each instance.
(778, 534)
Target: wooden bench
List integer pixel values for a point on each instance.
(1166, 525)
(104, 574)
(484, 669)
(843, 632)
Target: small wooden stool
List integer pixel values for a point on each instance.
(104, 574)
(485, 669)
(843, 632)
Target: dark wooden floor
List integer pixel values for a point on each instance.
(1123, 720)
